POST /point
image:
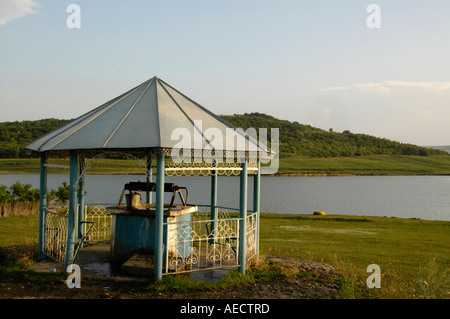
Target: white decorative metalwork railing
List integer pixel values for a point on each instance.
(251, 228)
(206, 168)
(206, 243)
(101, 230)
(55, 235)
(199, 244)
(96, 224)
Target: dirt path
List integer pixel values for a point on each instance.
(322, 286)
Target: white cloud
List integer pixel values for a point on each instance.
(337, 88)
(11, 9)
(406, 111)
(371, 87)
(374, 87)
(429, 86)
(386, 87)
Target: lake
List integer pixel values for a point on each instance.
(426, 197)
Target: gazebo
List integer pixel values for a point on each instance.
(171, 134)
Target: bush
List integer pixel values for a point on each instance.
(432, 281)
(24, 193)
(63, 193)
(22, 199)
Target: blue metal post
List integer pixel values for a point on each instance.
(214, 202)
(81, 212)
(149, 179)
(159, 217)
(256, 202)
(70, 248)
(243, 217)
(42, 203)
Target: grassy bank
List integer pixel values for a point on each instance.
(368, 165)
(361, 165)
(18, 231)
(31, 166)
(413, 255)
(19, 166)
(405, 249)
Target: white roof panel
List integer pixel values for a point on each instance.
(143, 117)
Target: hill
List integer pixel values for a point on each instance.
(295, 139)
(15, 135)
(304, 140)
(445, 148)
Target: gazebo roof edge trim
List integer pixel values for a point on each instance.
(100, 110)
(248, 137)
(169, 152)
(181, 109)
(154, 100)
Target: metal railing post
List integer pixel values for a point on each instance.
(214, 203)
(73, 203)
(81, 215)
(159, 218)
(42, 204)
(256, 202)
(243, 217)
(148, 194)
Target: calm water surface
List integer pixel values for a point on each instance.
(427, 197)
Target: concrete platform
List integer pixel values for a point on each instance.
(139, 265)
(95, 261)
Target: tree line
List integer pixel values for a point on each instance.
(15, 135)
(295, 139)
(305, 140)
(19, 193)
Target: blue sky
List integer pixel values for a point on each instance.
(315, 62)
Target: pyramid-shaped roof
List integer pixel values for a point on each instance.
(145, 117)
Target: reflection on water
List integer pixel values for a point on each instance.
(424, 197)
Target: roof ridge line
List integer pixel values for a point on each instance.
(157, 111)
(185, 114)
(101, 109)
(129, 111)
(245, 135)
(200, 106)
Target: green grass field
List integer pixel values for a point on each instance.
(31, 166)
(413, 255)
(368, 165)
(362, 165)
(403, 248)
(21, 230)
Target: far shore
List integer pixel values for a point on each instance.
(371, 165)
(265, 175)
(344, 174)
